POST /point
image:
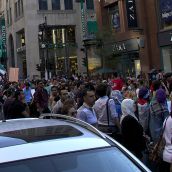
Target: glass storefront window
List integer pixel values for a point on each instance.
(165, 7)
(61, 53)
(167, 58)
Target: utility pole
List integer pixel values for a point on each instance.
(84, 31)
(46, 48)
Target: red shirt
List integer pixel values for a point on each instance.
(117, 84)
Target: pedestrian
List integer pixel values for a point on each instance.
(64, 95)
(131, 130)
(143, 107)
(105, 108)
(18, 108)
(86, 111)
(158, 113)
(167, 152)
(69, 108)
(27, 93)
(41, 99)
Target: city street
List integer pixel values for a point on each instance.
(86, 85)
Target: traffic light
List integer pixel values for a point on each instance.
(84, 61)
(38, 68)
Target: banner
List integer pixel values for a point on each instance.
(3, 49)
(13, 74)
(166, 12)
(131, 13)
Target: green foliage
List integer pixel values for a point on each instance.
(105, 39)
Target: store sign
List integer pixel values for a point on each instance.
(126, 46)
(131, 13)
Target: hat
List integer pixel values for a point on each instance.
(143, 93)
(161, 95)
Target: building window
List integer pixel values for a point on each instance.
(21, 6)
(165, 8)
(10, 16)
(90, 4)
(19, 12)
(18, 8)
(43, 5)
(68, 4)
(55, 4)
(114, 17)
(16, 11)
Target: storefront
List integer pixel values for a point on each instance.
(125, 58)
(165, 43)
(58, 50)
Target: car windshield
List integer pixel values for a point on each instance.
(97, 160)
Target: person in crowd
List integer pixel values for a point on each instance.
(8, 102)
(117, 82)
(79, 94)
(41, 98)
(131, 130)
(167, 152)
(69, 108)
(18, 108)
(86, 111)
(140, 84)
(54, 97)
(156, 84)
(105, 109)
(158, 113)
(27, 93)
(143, 107)
(64, 94)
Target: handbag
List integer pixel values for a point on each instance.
(156, 151)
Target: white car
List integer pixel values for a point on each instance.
(57, 143)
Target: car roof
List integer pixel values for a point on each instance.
(29, 138)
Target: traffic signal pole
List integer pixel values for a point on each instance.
(84, 30)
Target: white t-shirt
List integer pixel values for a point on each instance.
(167, 153)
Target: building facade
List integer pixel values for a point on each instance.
(134, 27)
(45, 37)
(164, 16)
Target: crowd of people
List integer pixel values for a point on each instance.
(132, 110)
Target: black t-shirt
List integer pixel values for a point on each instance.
(15, 110)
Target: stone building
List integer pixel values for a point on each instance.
(45, 37)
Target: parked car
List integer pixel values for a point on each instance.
(57, 143)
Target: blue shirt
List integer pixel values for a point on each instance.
(87, 114)
(28, 95)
